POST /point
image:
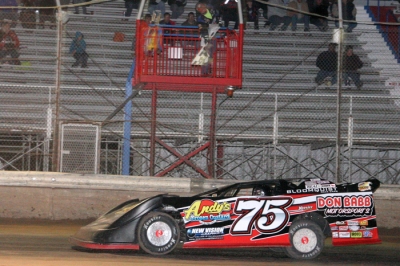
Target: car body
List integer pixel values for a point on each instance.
(291, 215)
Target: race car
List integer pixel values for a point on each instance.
(290, 215)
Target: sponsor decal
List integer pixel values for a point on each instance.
(356, 234)
(353, 223)
(354, 227)
(327, 189)
(345, 206)
(318, 184)
(334, 228)
(364, 222)
(344, 234)
(305, 208)
(335, 234)
(367, 233)
(205, 233)
(364, 186)
(207, 211)
(341, 223)
(267, 215)
(343, 228)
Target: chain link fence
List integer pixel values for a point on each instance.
(282, 123)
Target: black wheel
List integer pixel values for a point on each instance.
(306, 239)
(158, 233)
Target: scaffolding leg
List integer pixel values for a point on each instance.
(211, 149)
(153, 131)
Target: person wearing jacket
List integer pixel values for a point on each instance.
(157, 5)
(327, 63)
(278, 15)
(177, 7)
(349, 13)
(9, 44)
(78, 50)
(351, 64)
(252, 12)
(299, 5)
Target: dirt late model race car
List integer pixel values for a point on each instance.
(294, 215)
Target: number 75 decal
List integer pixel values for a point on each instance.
(269, 215)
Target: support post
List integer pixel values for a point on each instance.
(56, 144)
(220, 159)
(211, 148)
(153, 131)
(338, 175)
(126, 155)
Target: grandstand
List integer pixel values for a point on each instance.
(278, 105)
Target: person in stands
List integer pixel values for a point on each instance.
(77, 7)
(130, 5)
(278, 15)
(78, 50)
(349, 13)
(10, 13)
(327, 63)
(47, 14)
(351, 64)
(9, 44)
(190, 21)
(299, 5)
(229, 12)
(27, 17)
(177, 7)
(157, 5)
(205, 18)
(252, 12)
(319, 9)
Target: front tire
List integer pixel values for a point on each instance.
(158, 233)
(306, 239)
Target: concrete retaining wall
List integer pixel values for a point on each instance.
(59, 196)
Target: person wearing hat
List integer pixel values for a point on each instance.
(9, 44)
(327, 63)
(351, 64)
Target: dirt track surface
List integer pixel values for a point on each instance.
(46, 243)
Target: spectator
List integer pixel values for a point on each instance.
(9, 44)
(47, 14)
(351, 65)
(28, 16)
(9, 13)
(299, 17)
(76, 2)
(167, 20)
(190, 21)
(205, 15)
(349, 13)
(130, 5)
(229, 12)
(327, 63)
(264, 8)
(157, 5)
(278, 15)
(252, 12)
(177, 7)
(78, 50)
(320, 8)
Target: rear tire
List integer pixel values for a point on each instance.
(306, 239)
(158, 233)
